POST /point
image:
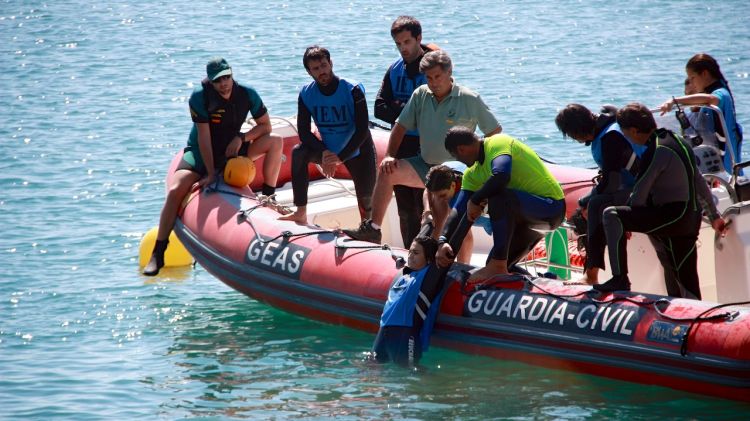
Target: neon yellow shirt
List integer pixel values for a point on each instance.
(528, 172)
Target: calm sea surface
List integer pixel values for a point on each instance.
(95, 102)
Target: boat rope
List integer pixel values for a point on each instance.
(726, 316)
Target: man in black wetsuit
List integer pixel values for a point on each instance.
(664, 204)
(339, 109)
(617, 159)
(400, 80)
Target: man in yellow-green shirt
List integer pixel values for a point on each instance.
(521, 193)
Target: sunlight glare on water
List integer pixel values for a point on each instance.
(95, 97)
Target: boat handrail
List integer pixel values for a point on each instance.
(717, 111)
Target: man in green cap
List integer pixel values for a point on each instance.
(218, 106)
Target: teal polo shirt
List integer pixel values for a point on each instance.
(462, 107)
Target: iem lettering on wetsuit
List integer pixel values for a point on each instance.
(333, 114)
(403, 84)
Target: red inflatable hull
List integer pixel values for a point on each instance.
(319, 274)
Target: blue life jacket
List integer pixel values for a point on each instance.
(333, 114)
(402, 300)
(403, 85)
(628, 178)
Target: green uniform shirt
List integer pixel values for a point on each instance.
(462, 107)
(528, 172)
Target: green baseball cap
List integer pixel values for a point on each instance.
(217, 67)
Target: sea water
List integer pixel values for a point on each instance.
(94, 97)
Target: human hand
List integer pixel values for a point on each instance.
(233, 148)
(388, 165)
(666, 107)
(720, 226)
(445, 255)
(207, 180)
(474, 211)
(330, 158)
(329, 170)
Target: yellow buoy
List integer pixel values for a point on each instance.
(176, 254)
(239, 171)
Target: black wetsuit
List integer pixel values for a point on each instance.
(408, 199)
(362, 167)
(666, 204)
(612, 189)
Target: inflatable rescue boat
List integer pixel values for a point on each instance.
(318, 272)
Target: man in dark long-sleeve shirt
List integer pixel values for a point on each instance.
(666, 204)
(339, 110)
(400, 80)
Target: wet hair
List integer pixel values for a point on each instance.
(430, 246)
(457, 136)
(436, 58)
(637, 116)
(441, 177)
(315, 52)
(406, 23)
(575, 121)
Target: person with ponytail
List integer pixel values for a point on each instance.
(705, 76)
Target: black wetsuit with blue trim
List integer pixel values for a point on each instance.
(408, 316)
(618, 161)
(340, 109)
(665, 204)
(399, 82)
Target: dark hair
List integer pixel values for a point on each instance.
(575, 121)
(430, 246)
(703, 62)
(440, 177)
(637, 116)
(457, 136)
(406, 23)
(315, 52)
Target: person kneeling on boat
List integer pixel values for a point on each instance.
(406, 322)
(339, 110)
(663, 204)
(521, 193)
(218, 107)
(443, 183)
(617, 158)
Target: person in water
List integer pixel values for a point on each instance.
(406, 318)
(665, 203)
(399, 82)
(432, 109)
(218, 107)
(509, 177)
(339, 109)
(705, 76)
(442, 187)
(617, 158)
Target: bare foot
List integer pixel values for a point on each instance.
(591, 276)
(487, 272)
(299, 217)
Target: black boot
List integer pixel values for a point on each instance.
(157, 258)
(617, 283)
